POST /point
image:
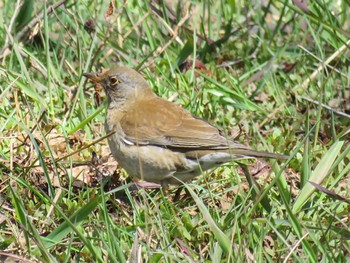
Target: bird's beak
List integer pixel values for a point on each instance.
(91, 76)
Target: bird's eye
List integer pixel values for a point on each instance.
(114, 81)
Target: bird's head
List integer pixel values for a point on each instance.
(121, 83)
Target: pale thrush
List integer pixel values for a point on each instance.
(157, 141)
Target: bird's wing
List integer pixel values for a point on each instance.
(160, 122)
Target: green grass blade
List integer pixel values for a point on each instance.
(318, 175)
(222, 239)
(70, 223)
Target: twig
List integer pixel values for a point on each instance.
(141, 20)
(9, 257)
(270, 116)
(294, 248)
(171, 31)
(160, 50)
(75, 152)
(108, 33)
(322, 65)
(86, 146)
(32, 23)
(12, 22)
(319, 60)
(340, 113)
(172, 19)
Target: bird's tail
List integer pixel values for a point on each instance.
(248, 153)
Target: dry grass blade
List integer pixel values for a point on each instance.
(329, 192)
(31, 25)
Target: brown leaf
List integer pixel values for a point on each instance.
(110, 9)
(199, 66)
(256, 76)
(226, 202)
(183, 247)
(35, 30)
(329, 192)
(288, 66)
(302, 5)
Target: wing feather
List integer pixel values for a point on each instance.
(160, 122)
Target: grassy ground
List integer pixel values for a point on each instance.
(273, 74)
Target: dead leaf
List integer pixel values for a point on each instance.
(288, 66)
(35, 30)
(302, 5)
(184, 249)
(329, 192)
(199, 66)
(226, 202)
(110, 9)
(255, 77)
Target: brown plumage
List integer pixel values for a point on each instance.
(158, 141)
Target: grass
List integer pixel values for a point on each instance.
(271, 73)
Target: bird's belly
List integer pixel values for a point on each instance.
(152, 163)
(161, 165)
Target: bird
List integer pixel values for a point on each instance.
(157, 141)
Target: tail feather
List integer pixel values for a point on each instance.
(248, 153)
